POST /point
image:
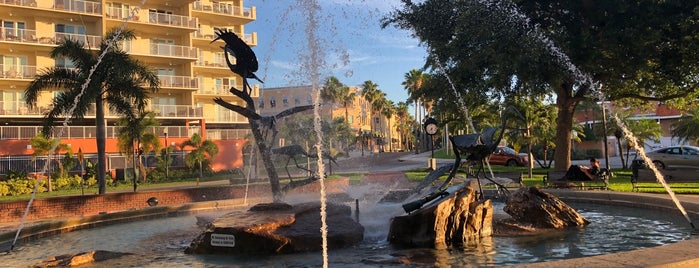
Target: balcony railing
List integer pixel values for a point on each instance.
(213, 64)
(18, 71)
(87, 7)
(173, 51)
(226, 117)
(91, 40)
(82, 132)
(217, 89)
(226, 134)
(172, 20)
(178, 81)
(26, 3)
(223, 8)
(165, 110)
(248, 38)
(18, 35)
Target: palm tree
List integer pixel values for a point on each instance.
(403, 128)
(371, 93)
(138, 130)
(117, 80)
(687, 127)
(414, 79)
(44, 146)
(203, 150)
(388, 110)
(330, 93)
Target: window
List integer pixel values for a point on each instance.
(64, 63)
(272, 102)
(285, 101)
(118, 10)
(261, 103)
(297, 100)
(159, 16)
(309, 98)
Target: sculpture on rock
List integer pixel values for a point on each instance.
(263, 128)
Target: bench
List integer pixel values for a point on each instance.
(601, 181)
(672, 176)
(507, 179)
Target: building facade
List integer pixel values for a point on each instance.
(172, 37)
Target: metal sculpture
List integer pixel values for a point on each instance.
(476, 147)
(291, 151)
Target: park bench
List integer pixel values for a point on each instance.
(601, 181)
(508, 179)
(645, 178)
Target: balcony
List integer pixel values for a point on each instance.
(224, 9)
(172, 20)
(91, 40)
(24, 3)
(172, 81)
(248, 38)
(220, 90)
(180, 111)
(17, 71)
(18, 35)
(225, 117)
(173, 51)
(79, 6)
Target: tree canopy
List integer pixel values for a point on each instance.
(643, 50)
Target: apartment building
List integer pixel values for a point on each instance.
(172, 37)
(358, 113)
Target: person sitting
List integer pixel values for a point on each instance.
(582, 173)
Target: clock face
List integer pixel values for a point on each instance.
(431, 129)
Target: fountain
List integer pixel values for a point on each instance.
(160, 242)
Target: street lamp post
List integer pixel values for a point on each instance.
(167, 156)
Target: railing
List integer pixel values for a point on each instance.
(173, 51)
(213, 64)
(226, 117)
(178, 81)
(172, 20)
(227, 134)
(166, 110)
(80, 6)
(223, 8)
(82, 132)
(217, 89)
(18, 71)
(248, 38)
(26, 3)
(91, 40)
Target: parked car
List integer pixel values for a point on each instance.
(676, 157)
(508, 157)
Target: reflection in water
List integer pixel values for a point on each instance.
(161, 242)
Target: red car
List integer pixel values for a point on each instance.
(508, 157)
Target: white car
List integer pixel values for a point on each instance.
(684, 156)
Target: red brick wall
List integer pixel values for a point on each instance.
(75, 206)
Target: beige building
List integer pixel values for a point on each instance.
(172, 37)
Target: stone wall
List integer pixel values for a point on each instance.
(88, 205)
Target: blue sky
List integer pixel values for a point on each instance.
(353, 45)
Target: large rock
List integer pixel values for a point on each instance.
(79, 259)
(542, 210)
(454, 221)
(274, 228)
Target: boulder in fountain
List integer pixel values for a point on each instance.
(542, 210)
(79, 259)
(454, 221)
(278, 228)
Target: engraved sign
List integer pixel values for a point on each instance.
(223, 240)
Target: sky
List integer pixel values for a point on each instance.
(351, 44)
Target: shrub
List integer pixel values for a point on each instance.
(4, 189)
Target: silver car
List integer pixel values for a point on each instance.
(676, 157)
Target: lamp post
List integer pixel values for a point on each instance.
(167, 156)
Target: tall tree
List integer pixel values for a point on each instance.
(202, 150)
(119, 81)
(370, 93)
(331, 92)
(388, 110)
(636, 49)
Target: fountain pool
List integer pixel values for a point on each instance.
(161, 242)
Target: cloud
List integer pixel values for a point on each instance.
(285, 65)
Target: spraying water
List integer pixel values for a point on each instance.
(66, 121)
